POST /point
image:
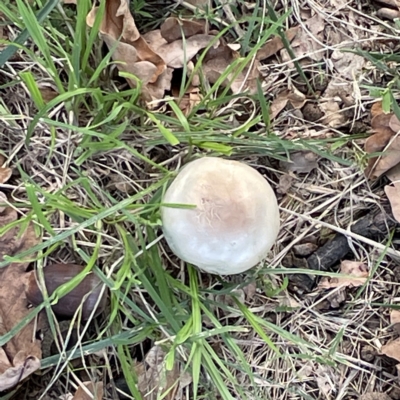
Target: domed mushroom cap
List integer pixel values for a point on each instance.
(235, 222)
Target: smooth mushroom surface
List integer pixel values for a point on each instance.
(235, 222)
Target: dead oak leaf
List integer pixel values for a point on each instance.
(154, 379)
(118, 28)
(173, 28)
(358, 271)
(176, 54)
(275, 44)
(23, 350)
(308, 44)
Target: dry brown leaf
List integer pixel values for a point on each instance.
(296, 98)
(275, 44)
(175, 54)
(301, 162)
(358, 270)
(5, 174)
(333, 117)
(23, 351)
(347, 64)
(376, 108)
(118, 24)
(278, 104)
(172, 29)
(394, 316)
(389, 159)
(96, 390)
(154, 379)
(69, 1)
(394, 123)
(392, 349)
(393, 194)
(218, 59)
(304, 45)
(191, 99)
(285, 183)
(394, 174)
(157, 89)
(47, 93)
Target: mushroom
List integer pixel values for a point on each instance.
(234, 223)
(56, 275)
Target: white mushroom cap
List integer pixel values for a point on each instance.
(235, 222)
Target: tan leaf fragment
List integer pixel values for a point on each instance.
(389, 158)
(333, 117)
(47, 93)
(5, 174)
(358, 270)
(21, 368)
(294, 96)
(191, 98)
(275, 44)
(394, 316)
(23, 351)
(394, 123)
(392, 349)
(95, 389)
(393, 194)
(301, 162)
(278, 104)
(347, 64)
(69, 1)
(217, 60)
(172, 29)
(154, 379)
(176, 54)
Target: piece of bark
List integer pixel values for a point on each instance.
(371, 226)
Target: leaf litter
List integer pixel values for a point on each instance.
(154, 56)
(21, 355)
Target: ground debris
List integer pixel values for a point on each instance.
(153, 56)
(154, 378)
(374, 396)
(95, 389)
(20, 356)
(302, 162)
